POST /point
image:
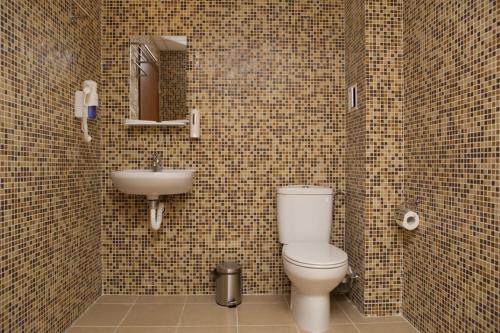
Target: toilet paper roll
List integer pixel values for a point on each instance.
(407, 219)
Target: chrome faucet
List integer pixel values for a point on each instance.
(156, 162)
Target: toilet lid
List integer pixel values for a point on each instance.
(315, 255)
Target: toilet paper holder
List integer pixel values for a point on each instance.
(412, 202)
(406, 215)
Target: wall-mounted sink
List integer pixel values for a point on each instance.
(153, 184)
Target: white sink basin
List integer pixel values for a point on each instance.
(153, 184)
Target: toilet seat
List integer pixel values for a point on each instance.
(314, 255)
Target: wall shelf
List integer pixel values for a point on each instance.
(167, 123)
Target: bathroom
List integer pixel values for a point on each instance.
(381, 107)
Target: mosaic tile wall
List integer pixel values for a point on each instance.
(49, 178)
(355, 162)
(374, 153)
(384, 155)
(173, 99)
(268, 79)
(452, 152)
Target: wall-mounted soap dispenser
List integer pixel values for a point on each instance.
(86, 102)
(194, 123)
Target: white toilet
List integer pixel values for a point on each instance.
(313, 265)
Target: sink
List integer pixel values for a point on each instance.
(153, 184)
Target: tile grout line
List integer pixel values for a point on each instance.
(411, 324)
(342, 305)
(288, 305)
(126, 314)
(250, 325)
(356, 325)
(180, 317)
(83, 313)
(348, 317)
(237, 321)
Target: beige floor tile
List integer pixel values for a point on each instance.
(267, 329)
(161, 299)
(146, 330)
(210, 299)
(357, 317)
(103, 315)
(105, 299)
(342, 301)
(208, 329)
(259, 299)
(337, 316)
(153, 315)
(91, 330)
(340, 329)
(264, 314)
(403, 327)
(208, 314)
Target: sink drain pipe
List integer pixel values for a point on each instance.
(156, 209)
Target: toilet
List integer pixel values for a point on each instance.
(313, 265)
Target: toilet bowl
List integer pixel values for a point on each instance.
(314, 270)
(312, 264)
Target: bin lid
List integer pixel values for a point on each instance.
(228, 268)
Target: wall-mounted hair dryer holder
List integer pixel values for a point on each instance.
(86, 102)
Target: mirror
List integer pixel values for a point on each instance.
(158, 78)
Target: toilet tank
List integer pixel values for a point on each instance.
(304, 214)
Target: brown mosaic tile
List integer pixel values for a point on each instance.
(268, 79)
(374, 153)
(384, 156)
(355, 129)
(49, 178)
(452, 163)
(173, 68)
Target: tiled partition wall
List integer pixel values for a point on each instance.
(49, 178)
(268, 79)
(384, 155)
(452, 144)
(355, 132)
(374, 153)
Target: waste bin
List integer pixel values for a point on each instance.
(228, 284)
